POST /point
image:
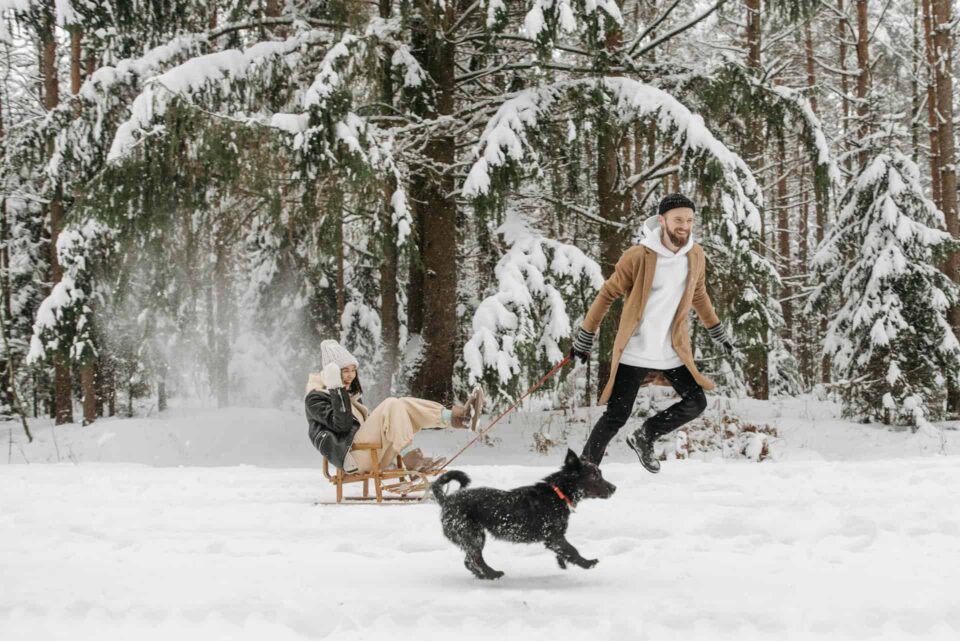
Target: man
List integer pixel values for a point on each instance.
(660, 279)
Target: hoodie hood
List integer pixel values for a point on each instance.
(653, 238)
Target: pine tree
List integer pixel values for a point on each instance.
(891, 341)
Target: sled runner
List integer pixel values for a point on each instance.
(388, 485)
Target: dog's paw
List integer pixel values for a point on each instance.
(590, 563)
(561, 562)
(493, 575)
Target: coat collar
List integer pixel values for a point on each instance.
(649, 267)
(315, 384)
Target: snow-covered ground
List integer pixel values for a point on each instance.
(853, 533)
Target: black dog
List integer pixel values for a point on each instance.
(527, 514)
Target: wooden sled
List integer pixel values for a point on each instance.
(388, 485)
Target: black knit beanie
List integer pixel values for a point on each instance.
(672, 201)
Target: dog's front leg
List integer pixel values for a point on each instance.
(566, 552)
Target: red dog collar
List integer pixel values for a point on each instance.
(564, 497)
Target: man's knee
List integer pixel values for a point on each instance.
(613, 420)
(696, 403)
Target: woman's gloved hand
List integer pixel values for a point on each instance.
(330, 375)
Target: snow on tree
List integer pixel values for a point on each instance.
(891, 339)
(64, 321)
(519, 329)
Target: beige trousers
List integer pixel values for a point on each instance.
(392, 425)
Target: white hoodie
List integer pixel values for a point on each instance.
(651, 345)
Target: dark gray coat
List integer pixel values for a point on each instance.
(332, 424)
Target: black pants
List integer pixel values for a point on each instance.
(625, 387)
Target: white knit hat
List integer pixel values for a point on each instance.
(332, 352)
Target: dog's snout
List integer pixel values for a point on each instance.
(611, 488)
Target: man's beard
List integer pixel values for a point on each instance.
(678, 241)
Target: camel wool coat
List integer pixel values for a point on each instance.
(632, 278)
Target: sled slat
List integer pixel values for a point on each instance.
(408, 481)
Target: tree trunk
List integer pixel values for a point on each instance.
(844, 82)
(224, 308)
(783, 240)
(612, 243)
(389, 289)
(389, 309)
(917, 64)
(161, 395)
(415, 276)
(87, 368)
(75, 37)
(639, 139)
(434, 378)
(863, 79)
(818, 193)
(274, 9)
(932, 105)
(6, 363)
(89, 394)
(943, 41)
(803, 332)
(753, 33)
(757, 357)
(62, 398)
(341, 293)
(63, 402)
(51, 98)
(8, 392)
(103, 381)
(112, 399)
(811, 67)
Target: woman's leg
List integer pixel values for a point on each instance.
(392, 424)
(369, 432)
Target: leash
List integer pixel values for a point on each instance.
(530, 391)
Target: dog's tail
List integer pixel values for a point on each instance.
(446, 477)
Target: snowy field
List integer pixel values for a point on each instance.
(833, 540)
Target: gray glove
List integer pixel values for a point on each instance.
(582, 345)
(718, 334)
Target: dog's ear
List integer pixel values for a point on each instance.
(572, 460)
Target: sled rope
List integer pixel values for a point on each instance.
(530, 391)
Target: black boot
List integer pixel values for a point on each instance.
(642, 444)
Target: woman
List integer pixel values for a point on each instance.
(337, 418)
